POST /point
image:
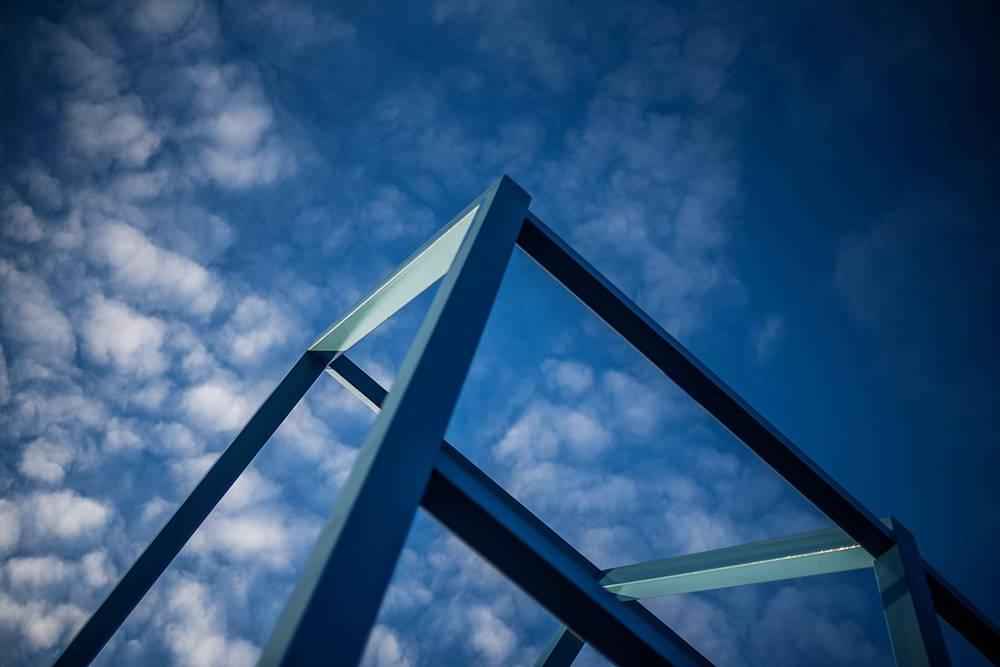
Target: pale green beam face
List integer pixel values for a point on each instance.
(416, 274)
(804, 555)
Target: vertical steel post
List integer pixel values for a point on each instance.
(331, 611)
(127, 593)
(561, 650)
(914, 630)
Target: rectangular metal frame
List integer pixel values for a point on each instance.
(405, 453)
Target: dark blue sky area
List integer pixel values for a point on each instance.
(805, 194)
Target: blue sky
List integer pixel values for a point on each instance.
(191, 191)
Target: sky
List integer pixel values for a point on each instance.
(805, 194)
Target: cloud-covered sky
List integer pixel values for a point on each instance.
(191, 191)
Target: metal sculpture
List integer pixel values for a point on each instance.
(405, 463)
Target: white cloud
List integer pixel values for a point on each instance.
(21, 224)
(261, 536)
(10, 525)
(115, 130)
(40, 623)
(145, 271)
(385, 649)
(37, 573)
(240, 147)
(571, 376)
(4, 378)
(766, 338)
(66, 514)
(114, 333)
(196, 632)
(544, 428)
(46, 460)
(217, 405)
(30, 315)
(163, 17)
(490, 636)
(255, 328)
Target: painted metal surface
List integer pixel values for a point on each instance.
(373, 512)
(328, 617)
(660, 348)
(809, 554)
(417, 273)
(913, 625)
(534, 557)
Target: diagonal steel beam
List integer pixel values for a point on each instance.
(660, 348)
(417, 272)
(345, 577)
(964, 616)
(652, 341)
(127, 593)
(534, 557)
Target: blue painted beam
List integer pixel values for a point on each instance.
(913, 625)
(533, 556)
(330, 613)
(139, 578)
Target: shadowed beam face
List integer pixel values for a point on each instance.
(530, 554)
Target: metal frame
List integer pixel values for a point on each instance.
(328, 617)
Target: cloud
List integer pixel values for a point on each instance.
(10, 525)
(45, 460)
(570, 376)
(490, 636)
(163, 17)
(195, 629)
(115, 130)
(20, 223)
(131, 342)
(256, 327)
(67, 515)
(385, 649)
(239, 148)
(41, 624)
(216, 405)
(4, 378)
(544, 429)
(766, 337)
(30, 316)
(142, 270)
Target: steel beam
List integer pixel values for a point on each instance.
(914, 630)
(534, 557)
(329, 615)
(653, 342)
(964, 616)
(819, 552)
(417, 272)
(660, 348)
(561, 650)
(127, 593)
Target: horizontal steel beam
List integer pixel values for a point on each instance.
(818, 552)
(530, 554)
